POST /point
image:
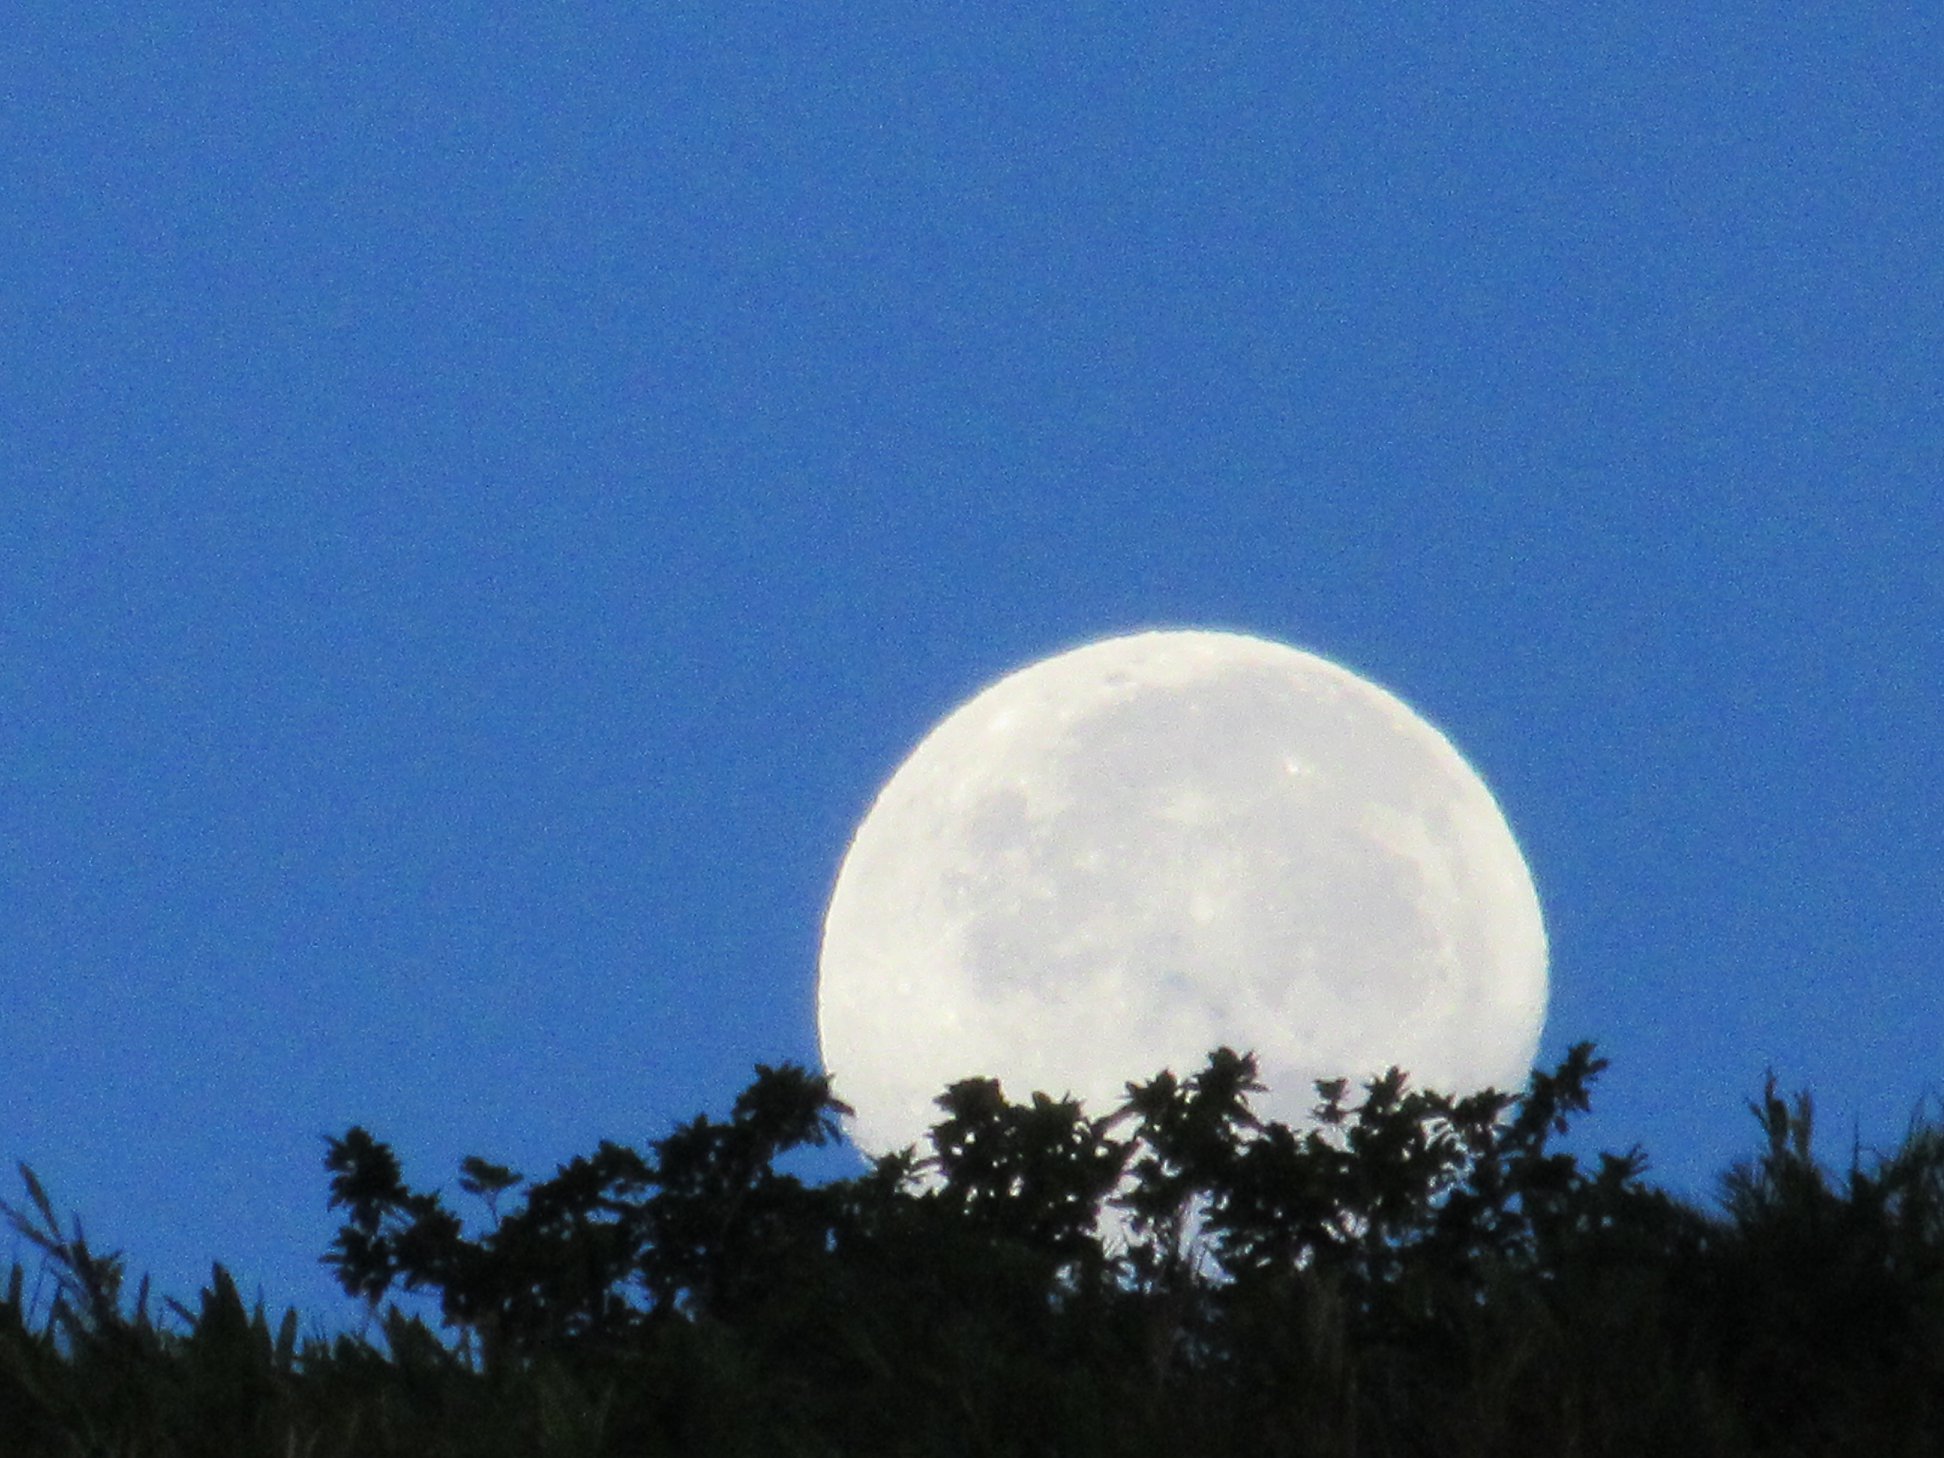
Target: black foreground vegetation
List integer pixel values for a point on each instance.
(1419, 1274)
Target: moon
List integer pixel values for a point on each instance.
(1121, 857)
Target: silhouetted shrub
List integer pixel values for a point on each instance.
(1410, 1273)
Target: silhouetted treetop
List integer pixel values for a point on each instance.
(1408, 1271)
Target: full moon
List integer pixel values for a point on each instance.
(1119, 858)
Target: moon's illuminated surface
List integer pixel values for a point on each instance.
(1124, 856)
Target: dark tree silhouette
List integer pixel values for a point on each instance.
(1409, 1272)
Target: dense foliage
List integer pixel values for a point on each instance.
(1412, 1274)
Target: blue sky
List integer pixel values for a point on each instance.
(487, 496)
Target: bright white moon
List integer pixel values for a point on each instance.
(1119, 858)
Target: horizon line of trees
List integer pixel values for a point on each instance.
(1411, 1273)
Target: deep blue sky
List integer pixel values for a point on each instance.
(486, 498)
